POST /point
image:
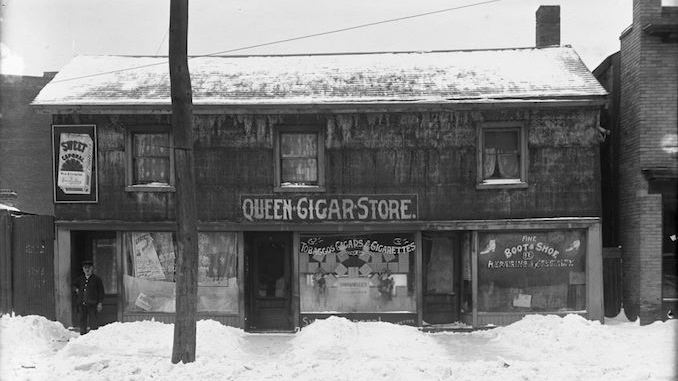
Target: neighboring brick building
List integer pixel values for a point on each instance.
(640, 165)
(25, 175)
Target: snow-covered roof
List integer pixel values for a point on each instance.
(376, 78)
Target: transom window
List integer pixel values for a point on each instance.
(150, 160)
(502, 156)
(299, 159)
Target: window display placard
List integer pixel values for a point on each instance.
(74, 154)
(357, 273)
(532, 271)
(149, 282)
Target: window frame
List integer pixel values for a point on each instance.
(481, 182)
(130, 186)
(303, 128)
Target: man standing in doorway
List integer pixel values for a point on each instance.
(89, 296)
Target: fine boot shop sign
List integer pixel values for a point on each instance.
(307, 208)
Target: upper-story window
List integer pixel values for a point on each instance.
(149, 159)
(502, 156)
(299, 159)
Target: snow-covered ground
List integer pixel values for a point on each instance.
(535, 348)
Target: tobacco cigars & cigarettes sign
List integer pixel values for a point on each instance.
(74, 154)
(311, 208)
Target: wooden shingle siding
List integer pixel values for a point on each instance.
(432, 154)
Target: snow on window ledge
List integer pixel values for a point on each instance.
(297, 187)
(501, 184)
(150, 187)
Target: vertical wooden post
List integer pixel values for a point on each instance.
(595, 307)
(474, 277)
(187, 236)
(295, 281)
(419, 277)
(63, 293)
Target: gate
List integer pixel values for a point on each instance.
(33, 265)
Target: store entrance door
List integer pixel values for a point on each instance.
(268, 267)
(99, 247)
(441, 277)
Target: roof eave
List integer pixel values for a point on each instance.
(366, 106)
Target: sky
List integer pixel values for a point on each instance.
(43, 35)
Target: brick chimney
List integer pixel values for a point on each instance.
(548, 26)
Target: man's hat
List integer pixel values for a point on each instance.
(87, 262)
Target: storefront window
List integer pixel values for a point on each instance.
(149, 279)
(532, 271)
(357, 273)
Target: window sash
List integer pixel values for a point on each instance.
(299, 159)
(501, 154)
(151, 162)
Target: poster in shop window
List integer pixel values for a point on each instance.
(74, 163)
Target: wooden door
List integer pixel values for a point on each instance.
(268, 267)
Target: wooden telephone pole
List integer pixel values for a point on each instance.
(187, 236)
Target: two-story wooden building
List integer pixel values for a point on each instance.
(418, 187)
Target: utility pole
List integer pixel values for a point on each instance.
(187, 235)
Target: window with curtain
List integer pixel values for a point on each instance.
(502, 155)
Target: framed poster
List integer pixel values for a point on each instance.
(74, 152)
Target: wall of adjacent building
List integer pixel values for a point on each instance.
(25, 145)
(649, 100)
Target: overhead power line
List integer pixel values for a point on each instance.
(292, 38)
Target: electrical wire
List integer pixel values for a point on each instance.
(289, 39)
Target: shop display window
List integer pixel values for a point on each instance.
(532, 271)
(357, 273)
(150, 273)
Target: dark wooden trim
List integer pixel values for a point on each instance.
(377, 106)
(296, 303)
(241, 278)
(419, 278)
(443, 225)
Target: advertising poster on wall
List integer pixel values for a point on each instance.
(74, 155)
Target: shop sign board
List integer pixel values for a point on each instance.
(74, 154)
(320, 208)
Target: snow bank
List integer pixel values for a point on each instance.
(535, 348)
(573, 347)
(27, 340)
(328, 336)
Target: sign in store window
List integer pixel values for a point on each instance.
(357, 273)
(532, 271)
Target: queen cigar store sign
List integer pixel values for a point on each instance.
(305, 208)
